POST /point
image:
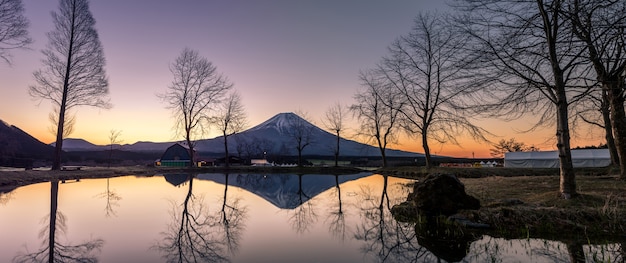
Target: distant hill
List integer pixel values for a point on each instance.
(15, 143)
(272, 137)
(71, 144)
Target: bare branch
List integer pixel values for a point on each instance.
(73, 67)
(13, 28)
(195, 91)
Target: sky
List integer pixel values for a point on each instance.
(281, 56)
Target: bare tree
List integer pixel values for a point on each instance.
(334, 121)
(196, 88)
(13, 28)
(230, 119)
(595, 110)
(114, 139)
(300, 131)
(73, 68)
(423, 68)
(376, 110)
(600, 26)
(527, 50)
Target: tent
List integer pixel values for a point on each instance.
(550, 159)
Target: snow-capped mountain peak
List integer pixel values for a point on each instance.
(282, 123)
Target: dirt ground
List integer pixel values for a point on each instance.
(526, 202)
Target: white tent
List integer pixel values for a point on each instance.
(550, 159)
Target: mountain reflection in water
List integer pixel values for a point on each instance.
(246, 218)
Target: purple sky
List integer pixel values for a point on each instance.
(282, 56)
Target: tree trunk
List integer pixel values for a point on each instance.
(608, 129)
(426, 150)
(58, 149)
(225, 193)
(618, 120)
(192, 161)
(337, 151)
(54, 197)
(567, 185)
(227, 160)
(383, 155)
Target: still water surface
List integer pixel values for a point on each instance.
(237, 218)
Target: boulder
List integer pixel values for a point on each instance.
(441, 194)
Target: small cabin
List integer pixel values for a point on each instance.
(176, 155)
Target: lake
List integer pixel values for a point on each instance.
(243, 218)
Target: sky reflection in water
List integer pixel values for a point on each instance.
(238, 218)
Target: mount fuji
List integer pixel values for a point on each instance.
(274, 136)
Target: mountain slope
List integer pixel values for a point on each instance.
(276, 136)
(15, 143)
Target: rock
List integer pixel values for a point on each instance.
(442, 194)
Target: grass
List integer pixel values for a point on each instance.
(520, 203)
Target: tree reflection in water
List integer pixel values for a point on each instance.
(54, 251)
(197, 235)
(5, 197)
(492, 249)
(233, 216)
(384, 237)
(112, 200)
(337, 219)
(304, 214)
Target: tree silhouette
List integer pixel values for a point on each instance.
(13, 28)
(52, 249)
(377, 111)
(334, 120)
(423, 69)
(230, 119)
(600, 26)
(191, 236)
(114, 138)
(527, 61)
(73, 73)
(197, 88)
(300, 131)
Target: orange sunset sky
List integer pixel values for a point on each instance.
(282, 56)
